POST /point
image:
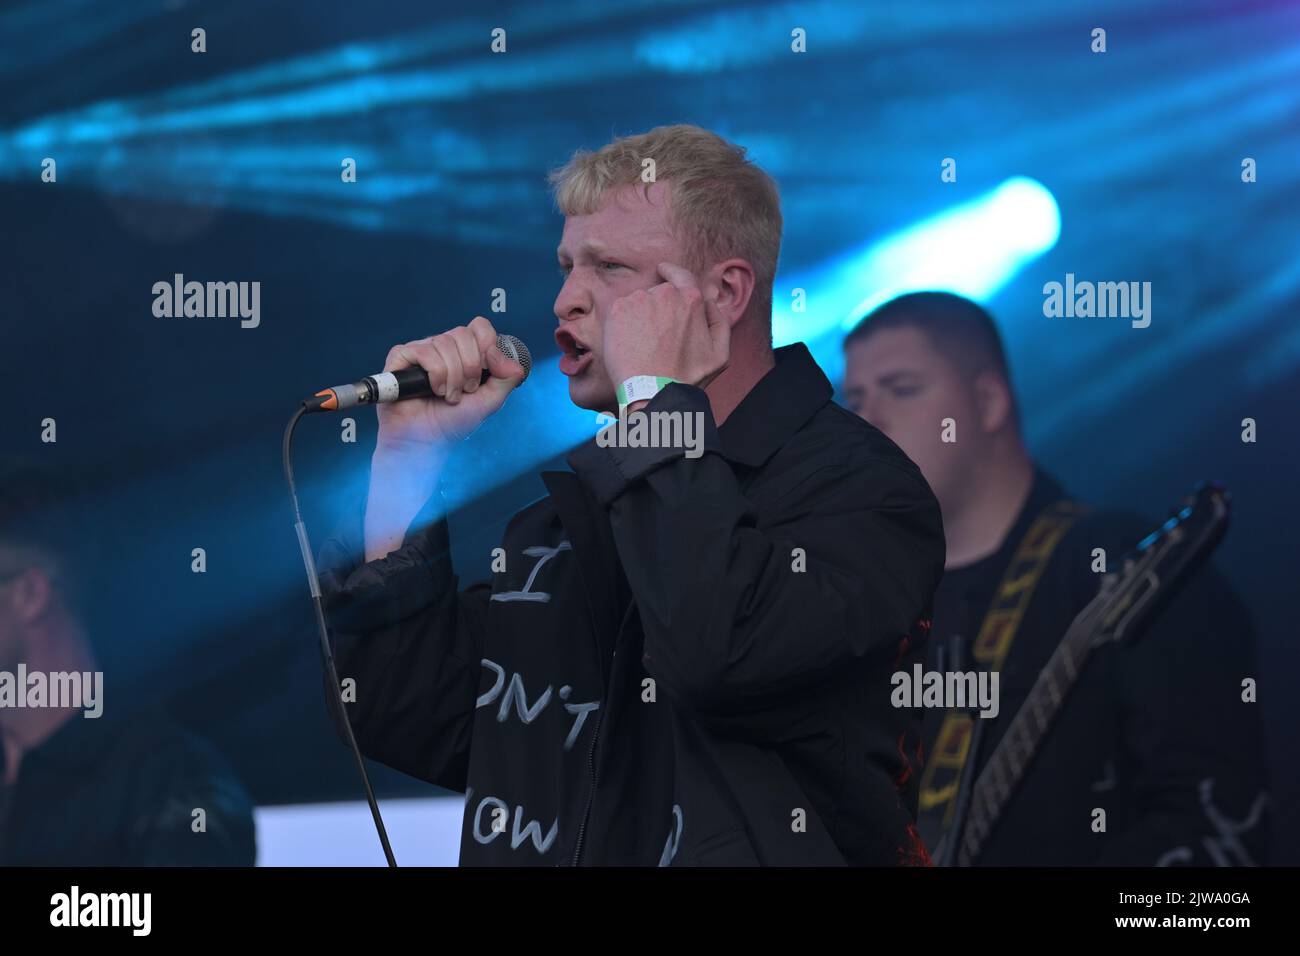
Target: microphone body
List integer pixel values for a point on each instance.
(411, 382)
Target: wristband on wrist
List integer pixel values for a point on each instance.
(641, 387)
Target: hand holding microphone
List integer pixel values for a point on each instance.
(428, 375)
(432, 393)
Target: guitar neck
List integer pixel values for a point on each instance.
(1123, 605)
(1004, 770)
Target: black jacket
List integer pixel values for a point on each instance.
(121, 791)
(1155, 732)
(685, 661)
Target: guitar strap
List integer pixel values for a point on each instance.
(941, 779)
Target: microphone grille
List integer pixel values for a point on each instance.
(515, 349)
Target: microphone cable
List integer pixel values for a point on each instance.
(326, 651)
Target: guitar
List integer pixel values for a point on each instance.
(1125, 603)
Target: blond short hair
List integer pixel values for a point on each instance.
(723, 205)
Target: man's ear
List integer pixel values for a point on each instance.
(993, 398)
(732, 282)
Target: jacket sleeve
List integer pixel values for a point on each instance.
(411, 643)
(178, 775)
(739, 619)
(1193, 745)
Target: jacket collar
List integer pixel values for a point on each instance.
(775, 408)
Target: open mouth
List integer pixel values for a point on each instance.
(575, 362)
(576, 355)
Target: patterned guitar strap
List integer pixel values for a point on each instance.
(942, 776)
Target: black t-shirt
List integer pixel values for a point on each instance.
(960, 604)
(1155, 733)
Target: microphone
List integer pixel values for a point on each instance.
(411, 382)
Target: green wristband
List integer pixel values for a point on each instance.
(641, 387)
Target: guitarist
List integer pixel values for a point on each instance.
(1155, 758)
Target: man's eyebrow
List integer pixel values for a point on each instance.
(587, 245)
(892, 378)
